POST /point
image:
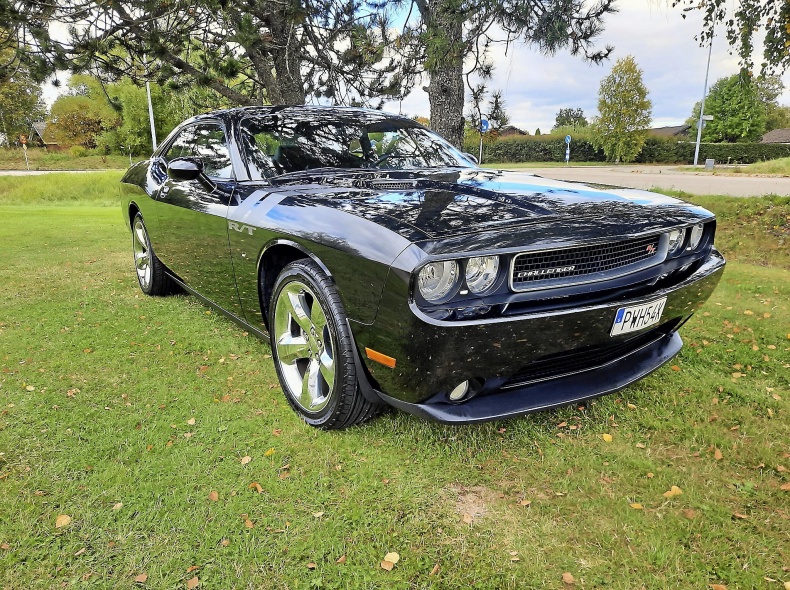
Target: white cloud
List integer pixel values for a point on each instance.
(535, 87)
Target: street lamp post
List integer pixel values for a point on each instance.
(702, 106)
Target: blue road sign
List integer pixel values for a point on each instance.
(568, 139)
(484, 125)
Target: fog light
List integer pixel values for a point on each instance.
(457, 394)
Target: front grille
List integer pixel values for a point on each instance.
(584, 359)
(535, 270)
(392, 185)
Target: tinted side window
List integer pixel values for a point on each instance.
(182, 145)
(211, 148)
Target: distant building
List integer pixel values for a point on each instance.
(510, 131)
(38, 136)
(678, 131)
(776, 136)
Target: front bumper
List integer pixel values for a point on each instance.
(434, 357)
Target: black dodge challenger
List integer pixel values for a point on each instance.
(385, 267)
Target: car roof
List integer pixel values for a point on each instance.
(307, 112)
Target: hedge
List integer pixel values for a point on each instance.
(655, 151)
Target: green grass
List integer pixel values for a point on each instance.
(780, 166)
(520, 165)
(41, 159)
(99, 384)
(95, 188)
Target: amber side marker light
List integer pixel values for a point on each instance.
(385, 360)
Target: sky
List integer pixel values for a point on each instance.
(535, 87)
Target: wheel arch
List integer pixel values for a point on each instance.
(275, 256)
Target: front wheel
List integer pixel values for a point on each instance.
(151, 273)
(313, 349)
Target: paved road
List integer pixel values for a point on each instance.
(667, 177)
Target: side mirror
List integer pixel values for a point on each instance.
(184, 168)
(471, 157)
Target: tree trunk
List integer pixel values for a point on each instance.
(285, 53)
(445, 67)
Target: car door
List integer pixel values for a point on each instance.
(193, 236)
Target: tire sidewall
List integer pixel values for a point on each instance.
(147, 290)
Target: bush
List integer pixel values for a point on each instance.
(656, 150)
(78, 151)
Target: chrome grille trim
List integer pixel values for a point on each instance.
(577, 265)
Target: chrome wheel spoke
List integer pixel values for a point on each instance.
(311, 391)
(141, 261)
(327, 366)
(298, 309)
(317, 317)
(292, 348)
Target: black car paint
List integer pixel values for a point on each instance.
(371, 229)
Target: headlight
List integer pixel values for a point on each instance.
(481, 272)
(696, 236)
(437, 279)
(676, 237)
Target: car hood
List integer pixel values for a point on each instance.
(445, 204)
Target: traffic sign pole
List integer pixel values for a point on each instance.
(23, 141)
(484, 126)
(567, 150)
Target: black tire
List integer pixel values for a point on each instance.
(151, 273)
(311, 346)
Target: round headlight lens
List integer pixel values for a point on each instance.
(481, 273)
(696, 236)
(676, 237)
(437, 279)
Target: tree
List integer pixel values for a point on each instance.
(741, 24)
(739, 112)
(20, 102)
(625, 112)
(258, 51)
(570, 118)
(78, 120)
(455, 32)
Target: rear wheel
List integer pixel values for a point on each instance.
(151, 273)
(313, 349)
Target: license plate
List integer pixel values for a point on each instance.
(636, 317)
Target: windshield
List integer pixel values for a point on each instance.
(275, 144)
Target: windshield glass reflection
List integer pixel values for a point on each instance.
(277, 144)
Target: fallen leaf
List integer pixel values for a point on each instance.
(277, 431)
(341, 560)
(141, 578)
(689, 513)
(674, 491)
(387, 565)
(650, 475)
(255, 486)
(5, 546)
(62, 520)
(606, 437)
(717, 455)
(435, 570)
(269, 452)
(225, 542)
(739, 515)
(117, 506)
(675, 368)
(318, 514)
(248, 523)
(392, 557)
(717, 586)
(80, 552)
(631, 407)
(785, 486)
(636, 506)
(787, 585)
(191, 421)
(311, 566)
(641, 445)
(193, 583)
(567, 578)
(192, 568)
(525, 502)
(245, 459)
(467, 518)
(30, 388)
(213, 495)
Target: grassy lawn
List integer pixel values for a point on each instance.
(41, 159)
(780, 166)
(520, 165)
(155, 433)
